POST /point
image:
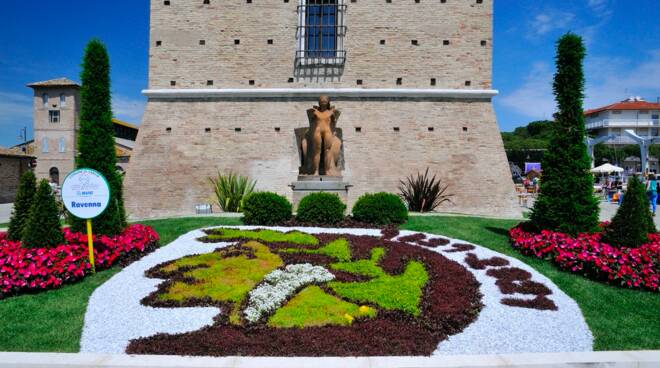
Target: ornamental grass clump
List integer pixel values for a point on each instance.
(266, 208)
(321, 208)
(27, 187)
(566, 202)
(380, 209)
(633, 222)
(423, 194)
(231, 189)
(42, 229)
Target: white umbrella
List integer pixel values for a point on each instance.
(606, 168)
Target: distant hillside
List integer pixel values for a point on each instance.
(536, 135)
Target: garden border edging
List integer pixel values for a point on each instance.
(610, 359)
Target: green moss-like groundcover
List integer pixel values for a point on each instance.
(381, 289)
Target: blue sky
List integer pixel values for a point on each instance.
(45, 39)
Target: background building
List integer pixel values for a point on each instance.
(634, 113)
(230, 81)
(56, 123)
(13, 163)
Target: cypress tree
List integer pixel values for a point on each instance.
(96, 142)
(633, 221)
(27, 186)
(566, 202)
(42, 229)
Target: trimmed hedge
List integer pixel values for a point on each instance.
(380, 208)
(321, 208)
(266, 208)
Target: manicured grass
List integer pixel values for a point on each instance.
(269, 236)
(4, 225)
(314, 307)
(402, 292)
(221, 278)
(53, 320)
(336, 248)
(620, 319)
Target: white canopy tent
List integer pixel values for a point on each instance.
(606, 169)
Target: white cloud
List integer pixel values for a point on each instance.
(601, 8)
(608, 80)
(128, 109)
(549, 21)
(534, 97)
(15, 108)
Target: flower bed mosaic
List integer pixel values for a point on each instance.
(252, 291)
(34, 269)
(586, 254)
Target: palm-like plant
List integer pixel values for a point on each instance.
(231, 189)
(423, 194)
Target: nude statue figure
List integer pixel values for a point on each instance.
(321, 140)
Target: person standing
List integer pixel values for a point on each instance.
(652, 190)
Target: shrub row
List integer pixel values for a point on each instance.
(29, 269)
(587, 254)
(266, 208)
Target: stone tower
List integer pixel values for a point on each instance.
(56, 110)
(231, 80)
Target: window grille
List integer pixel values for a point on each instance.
(54, 116)
(321, 31)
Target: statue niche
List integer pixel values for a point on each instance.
(320, 145)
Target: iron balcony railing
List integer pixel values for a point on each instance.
(320, 33)
(622, 123)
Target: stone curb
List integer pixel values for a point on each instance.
(609, 359)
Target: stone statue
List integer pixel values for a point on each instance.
(321, 144)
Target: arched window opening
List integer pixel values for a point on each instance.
(44, 145)
(54, 174)
(62, 145)
(44, 99)
(62, 100)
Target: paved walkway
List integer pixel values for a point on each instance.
(5, 212)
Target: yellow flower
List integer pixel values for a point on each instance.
(349, 318)
(364, 309)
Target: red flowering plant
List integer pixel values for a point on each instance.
(587, 254)
(34, 269)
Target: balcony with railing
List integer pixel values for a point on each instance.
(623, 123)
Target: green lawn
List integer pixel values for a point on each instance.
(619, 319)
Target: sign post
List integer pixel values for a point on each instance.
(86, 194)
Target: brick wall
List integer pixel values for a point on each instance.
(169, 169)
(11, 169)
(176, 54)
(184, 141)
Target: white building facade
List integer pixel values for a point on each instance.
(635, 114)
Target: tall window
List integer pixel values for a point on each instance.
(54, 174)
(62, 100)
(44, 99)
(44, 145)
(321, 31)
(54, 116)
(61, 145)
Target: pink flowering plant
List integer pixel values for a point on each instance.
(587, 254)
(34, 269)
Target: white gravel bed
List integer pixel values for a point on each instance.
(115, 316)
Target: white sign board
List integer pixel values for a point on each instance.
(85, 193)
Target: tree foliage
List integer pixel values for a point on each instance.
(27, 187)
(96, 144)
(566, 202)
(633, 221)
(42, 229)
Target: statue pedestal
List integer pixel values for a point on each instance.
(307, 184)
